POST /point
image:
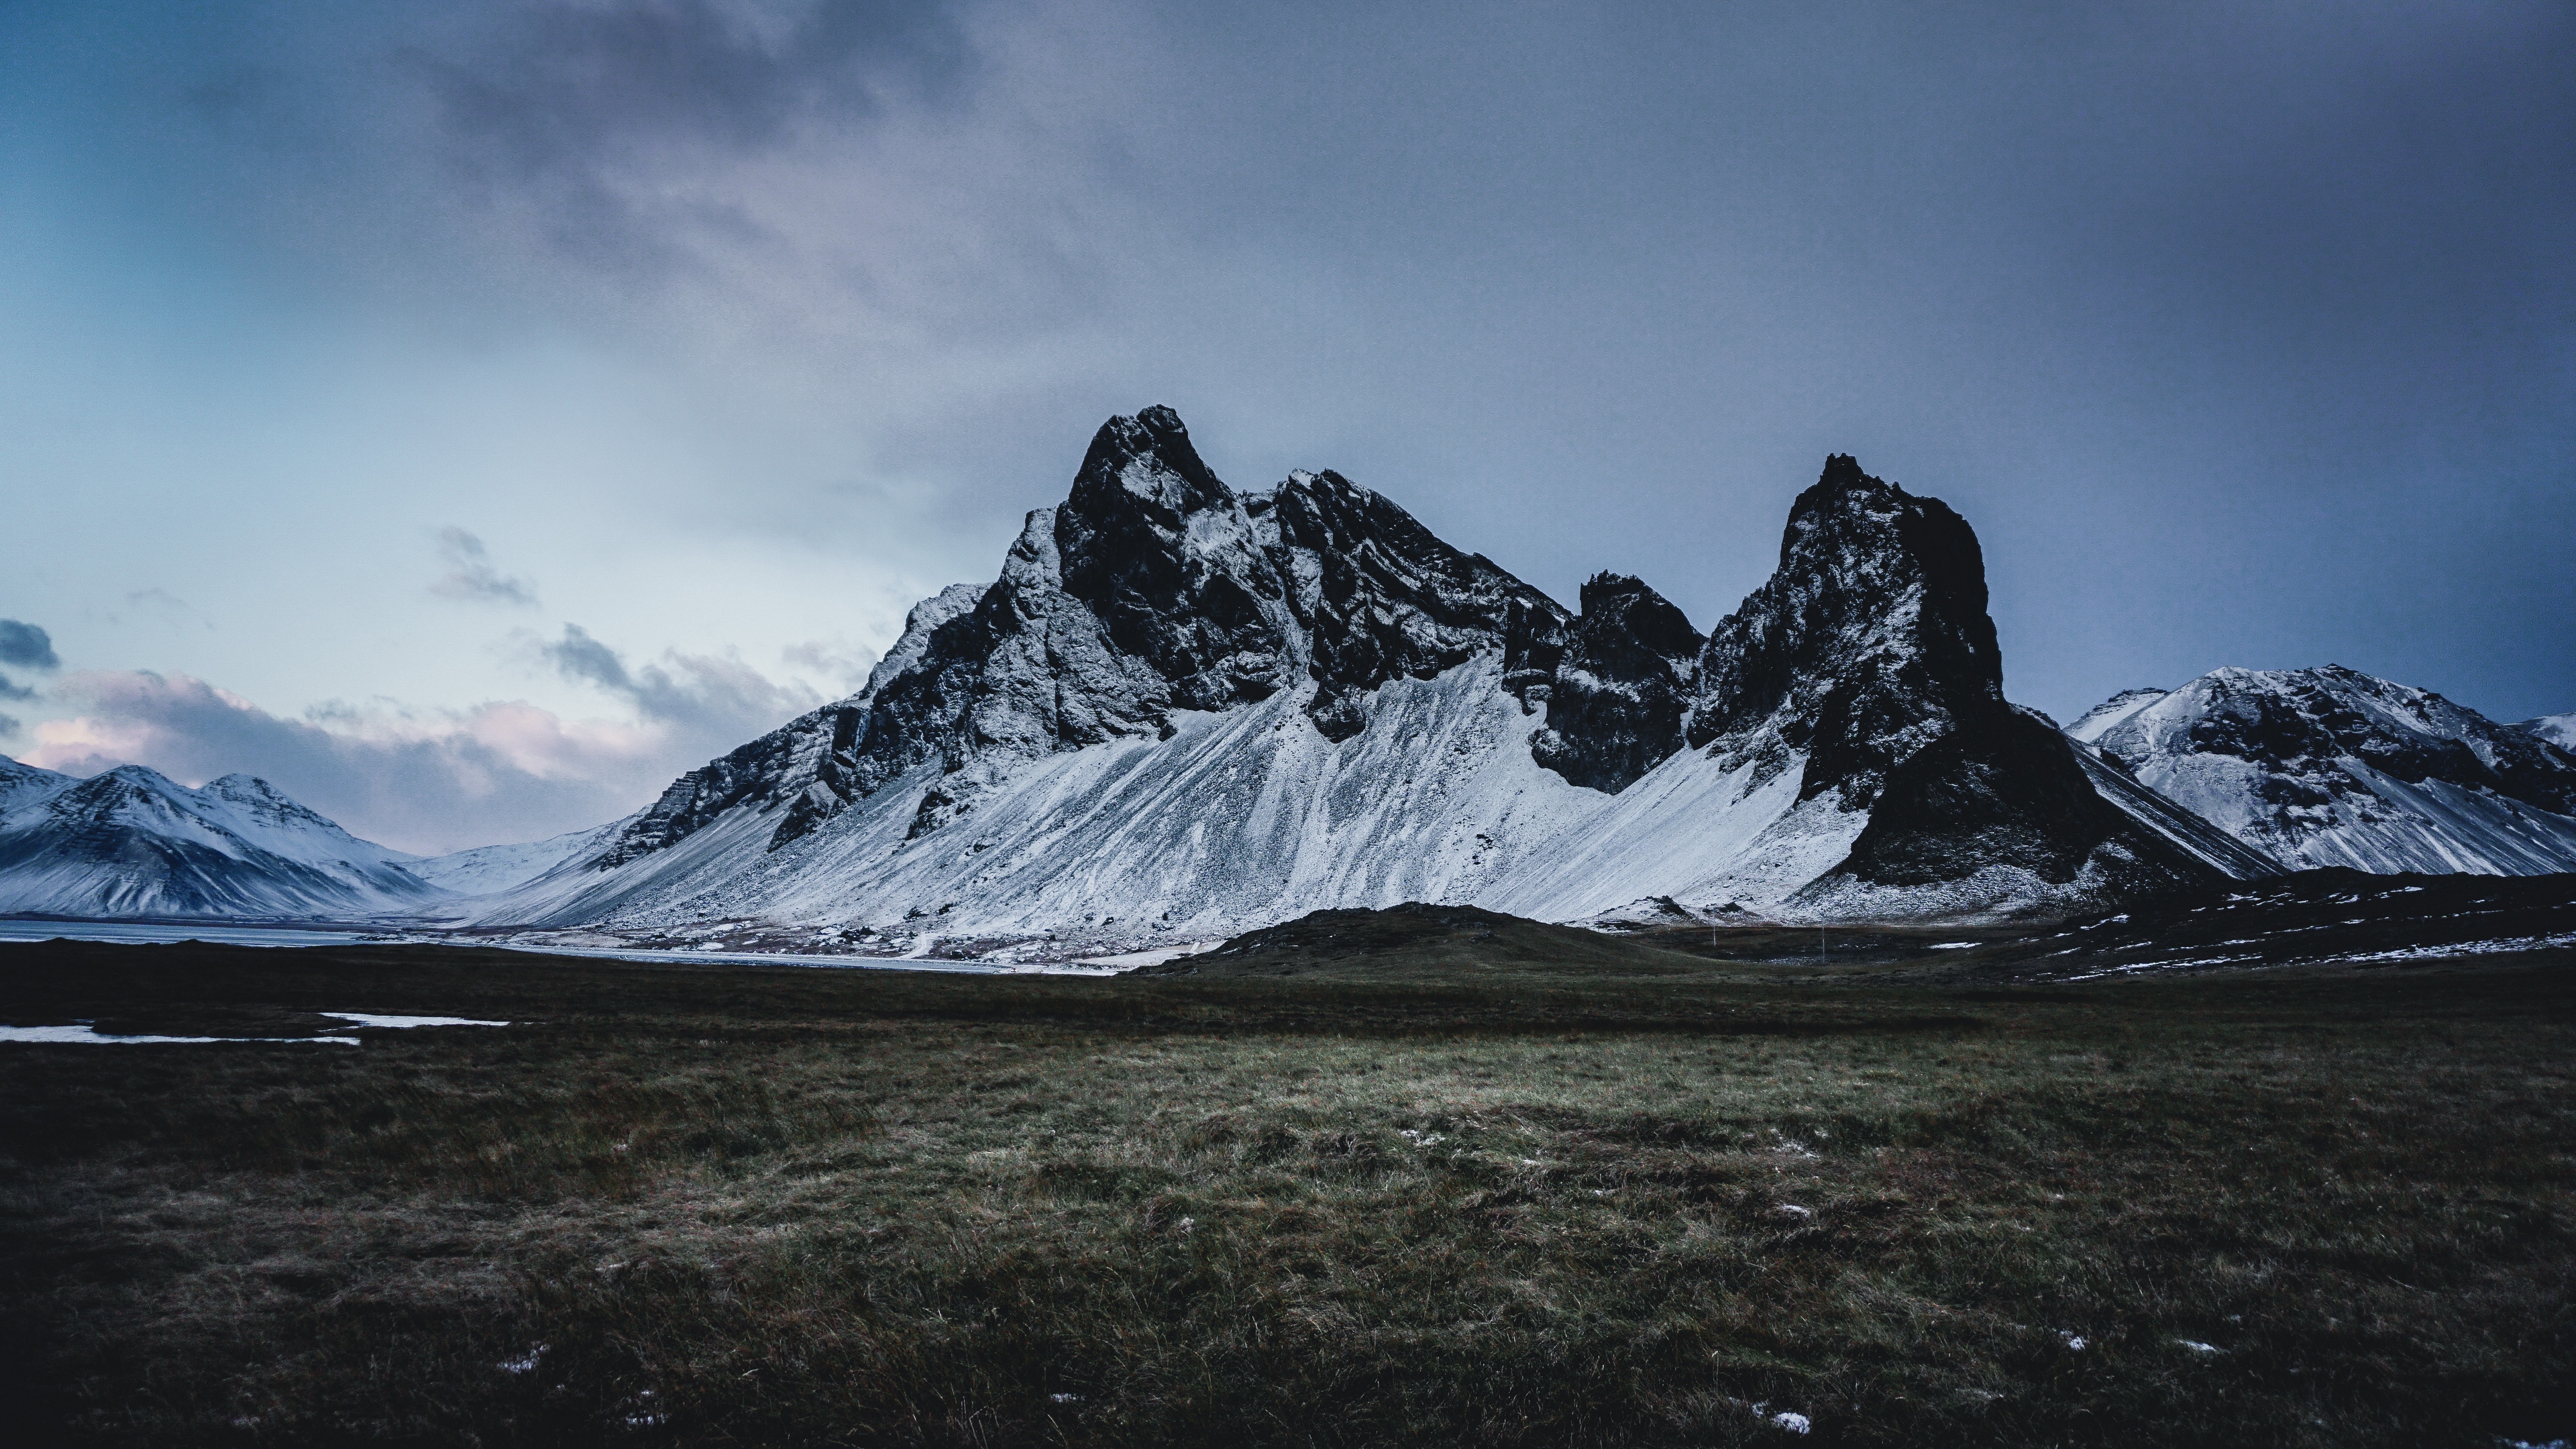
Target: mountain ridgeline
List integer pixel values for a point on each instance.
(2333, 767)
(1185, 707)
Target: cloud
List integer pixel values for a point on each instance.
(574, 103)
(715, 696)
(470, 575)
(424, 781)
(27, 646)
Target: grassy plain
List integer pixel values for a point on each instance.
(1610, 1202)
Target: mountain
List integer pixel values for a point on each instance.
(485, 869)
(2333, 767)
(1182, 708)
(22, 785)
(2556, 729)
(132, 842)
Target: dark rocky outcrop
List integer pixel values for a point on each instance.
(1615, 705)
(1380, 598)
(1868, 644)
(2004, 788)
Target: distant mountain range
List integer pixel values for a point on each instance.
(1184, 709)
(131, 842)
(2332, 767)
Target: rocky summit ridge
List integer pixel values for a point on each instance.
(1183, 706)
(2334, 767)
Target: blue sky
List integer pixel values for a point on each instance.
(468, 415)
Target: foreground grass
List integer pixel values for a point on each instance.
(729, 1206)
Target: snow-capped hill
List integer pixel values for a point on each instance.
(2333, 767)
(133, 842)
(2556, 729)
(1184, 709)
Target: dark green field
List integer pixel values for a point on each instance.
(1409, 1191)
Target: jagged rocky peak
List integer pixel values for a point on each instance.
(1621, 687)
(1153, 588)
(1869, 642)
(1380, 598)
(1165, 555)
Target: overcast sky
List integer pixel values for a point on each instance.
(468, 415)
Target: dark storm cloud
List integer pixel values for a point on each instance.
(26, 646)
(471, 576)
(562, 84)
(569, 100)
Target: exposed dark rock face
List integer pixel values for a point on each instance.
(1869, 643)
(1615, 706)
(1379, 598)
(1166, 559)
(2004, 788)
(1153, 588)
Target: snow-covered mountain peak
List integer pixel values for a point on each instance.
(1181, 707)
(2331, 766)
(25, 785)
(2089, 726)
(2555, 729)
(133, 841)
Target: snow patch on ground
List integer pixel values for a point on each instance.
(82, 1034)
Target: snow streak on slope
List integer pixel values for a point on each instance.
(132, 842)
(2332, 767)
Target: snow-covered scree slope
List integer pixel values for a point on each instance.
(132, 842)
(2333, 767)
(1187, 709)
